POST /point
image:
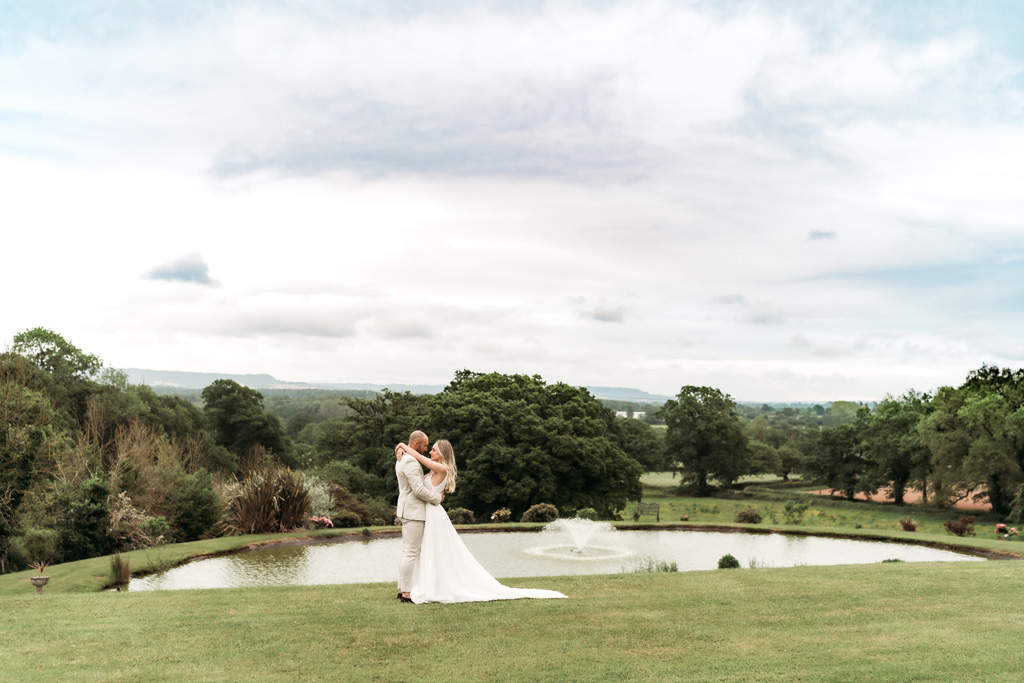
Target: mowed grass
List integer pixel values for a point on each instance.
(885, 622)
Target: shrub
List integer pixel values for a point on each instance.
(120, 571)
(35, 545)
(587, 513)
(728, 562)
(127, 528)
(748, 516)
(461, 516)
(541, 512)
(193, 505)
(960, 527)
(268, 501)
(908, 524)
(344, 500)
(321, 502)
(501, 516)
(347, 519)
(794, 511)
(83, 531)
(892, 559)
(377, 521)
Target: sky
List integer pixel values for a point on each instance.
(784, 200)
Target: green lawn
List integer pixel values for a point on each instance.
(886, 622)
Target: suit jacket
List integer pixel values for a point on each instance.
(413, 496)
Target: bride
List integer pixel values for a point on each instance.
(446, 571)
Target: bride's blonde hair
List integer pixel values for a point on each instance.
(448, 458)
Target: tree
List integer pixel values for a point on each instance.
(25, 413)
(893, 443)
(643, 443)
(71, 372)
(838, 461)
(235, 415)
(976, 437)
(522, 442)
(705, 437)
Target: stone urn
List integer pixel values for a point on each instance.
(39, 582)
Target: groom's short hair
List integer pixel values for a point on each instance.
(416, 437)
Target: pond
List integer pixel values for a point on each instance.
(553, 552)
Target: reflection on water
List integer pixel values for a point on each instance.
(527, 554)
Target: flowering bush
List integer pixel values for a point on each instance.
(320, 523)
(502, 515)
(1005, 531)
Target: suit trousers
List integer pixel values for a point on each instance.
(412, 539)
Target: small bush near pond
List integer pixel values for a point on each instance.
(728, 562)
(461, 516)
(587, 513)
(346, 519)
(748, 516)
(960, 527)
(794, 511)
(541, 512)
(892, 559)
(908, 524)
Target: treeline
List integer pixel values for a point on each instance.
(90, 464)
(963, 442)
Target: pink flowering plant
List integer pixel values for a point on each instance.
(1005, 531)
(502, 515)
(321, 522)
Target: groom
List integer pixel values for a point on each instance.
(413, 497)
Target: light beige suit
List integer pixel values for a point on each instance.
(413, 498)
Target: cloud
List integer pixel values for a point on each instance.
(823, 235)
(187, 268)
(606, 314)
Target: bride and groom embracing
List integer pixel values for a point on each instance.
(435, 565)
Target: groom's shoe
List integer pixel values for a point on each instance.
(399, 595)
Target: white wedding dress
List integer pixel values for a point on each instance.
(447, 572)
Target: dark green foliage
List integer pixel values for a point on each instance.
(25, 416)
(352, 479)
(705, 437)
(461, 516)
(837, 460)
(520, 442)
(587, 513)
(346, 519)
(643, 443)
(345, 501)
(541, 512)
(728, 562)
(235, 415)
(83, 531)
(748, 516)
(192, 505)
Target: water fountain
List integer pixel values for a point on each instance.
(580, 539)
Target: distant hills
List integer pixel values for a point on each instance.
(173, 379)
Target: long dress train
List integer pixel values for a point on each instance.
(447, 572)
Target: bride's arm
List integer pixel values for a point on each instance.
(424, 460)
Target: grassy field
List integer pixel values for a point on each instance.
(884, 622)
(888, 622)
